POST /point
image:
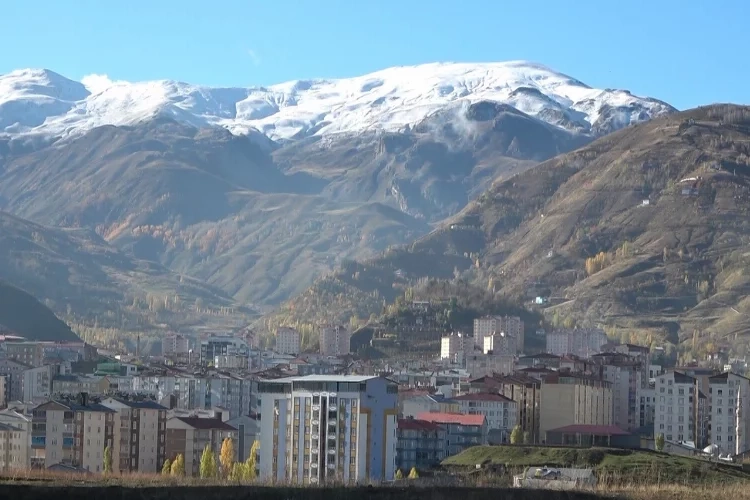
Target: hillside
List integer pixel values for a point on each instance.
(82, 278)
(664, 207)
(23, 315)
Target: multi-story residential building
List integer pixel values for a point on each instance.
(453, 347)
(323, 428)
(499, 411)
(626, 374)
(479, 365)
(462, 431)
(36, 353)
(421, 403)
(511, 326)
(222, 345)
(573, 399)
(175, 346)
(16, 442)
(73, 434)
(334, 340)
(93, 385)
(500, 344)
(680, 413)
(13, 370)
(583, 342)
(4, 390)
(196, 392)
(189, 436)
(247, 433)
(420, 444)
(288, 341)
(525, 391)
(540, 360)
(37, 383)
(729, 413)
(139, 435)
(231, 362)
(647, 405)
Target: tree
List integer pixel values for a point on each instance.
(108, 460)
(516, 436)
(237, 472)
(413, 474)
(226, 457)
(399, 474)
(178, 466)
(659, 442)
(208, 463)
(166, 469)
(251, 462)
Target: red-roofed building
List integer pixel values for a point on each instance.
(420, 444)
(462, 431)
(500, 412)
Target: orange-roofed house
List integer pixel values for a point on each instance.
(462, 430)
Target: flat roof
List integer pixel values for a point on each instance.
(326, 378)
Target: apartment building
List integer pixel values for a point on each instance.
(15, 440)
(524, 390)
(511, 326)
(36, 353)
(77, 384)
(4, 390)
(500, 344)
(479, 365)
(73, 434)
(573, 399)
(680, 413)
(175, 346)
(13, 370)
(189, 436)
(462, 431)
(321, 428)
(37, 383)
(334, 340)
(288, 341)
(139, 435)
(412, 406)
(222, 345)
(419, 444)
(582, 342)
(453, 347)
(626, 374)
(499, 411)
(729, 413)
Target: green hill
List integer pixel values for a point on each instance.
(22, 314)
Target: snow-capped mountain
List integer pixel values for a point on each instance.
(41, 102)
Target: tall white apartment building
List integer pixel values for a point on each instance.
(324, 428)
(583, 342)
(680, 413)
(729, 403)
(139, 435)
(453, 347)
(334, 340)
(500, 344)
(288, 341)
(174, 345)
(512, 326)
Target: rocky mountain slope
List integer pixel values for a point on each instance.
(21, 314)
(258, 192)
(645, 229)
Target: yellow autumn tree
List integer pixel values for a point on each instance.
(226, 456)
(178, 466)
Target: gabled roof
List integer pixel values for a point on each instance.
(451, 418)
(412, 424)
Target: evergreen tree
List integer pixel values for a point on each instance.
(166, 469)
(251, 463)
(226, 457)
(237, 472)
(178, 466)
(208, 464)
(659, 442)
(107, 460)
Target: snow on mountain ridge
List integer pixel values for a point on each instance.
(43, 102)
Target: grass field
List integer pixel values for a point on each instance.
(613, 466)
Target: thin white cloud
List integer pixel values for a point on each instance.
(97, 83)
(254, 56)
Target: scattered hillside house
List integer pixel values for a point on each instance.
(499, 411)
(188, 436)
(139, 435)
(574, 398)
(680, 409)
(555, 478)
(420, 444)
(462, 431)
(71, 433)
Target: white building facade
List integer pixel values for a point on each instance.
(453, 347)
(680, 409)
(288, 341)
(327, 428)
(512, 326)
(729, 396)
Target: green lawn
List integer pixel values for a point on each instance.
(625, 465)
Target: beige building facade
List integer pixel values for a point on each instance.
(574, 399)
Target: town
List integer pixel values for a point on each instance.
(307, 417)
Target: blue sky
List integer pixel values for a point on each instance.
(687, 52)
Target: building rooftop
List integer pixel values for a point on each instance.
(142, 405)
(483, 396)
(412, 424)
(451, 418)
(328, 378)
(206, 423)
